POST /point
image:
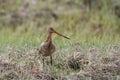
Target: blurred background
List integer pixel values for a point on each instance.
(92, 53)
(25, 21)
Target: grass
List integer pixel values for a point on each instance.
(93, 32)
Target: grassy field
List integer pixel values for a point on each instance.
(92, 53)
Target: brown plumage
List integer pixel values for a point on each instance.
(47, 48)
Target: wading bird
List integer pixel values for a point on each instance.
(47, 48)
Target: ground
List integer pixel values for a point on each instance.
(92, 53)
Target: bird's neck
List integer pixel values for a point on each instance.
(49, 37)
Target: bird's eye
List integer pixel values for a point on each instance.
(51, 29)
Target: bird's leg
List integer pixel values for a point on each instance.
(51, 60)
(43, 61)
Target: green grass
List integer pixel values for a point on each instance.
(86, 28)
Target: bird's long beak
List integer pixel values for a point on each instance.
(61, 35)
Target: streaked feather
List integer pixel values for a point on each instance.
(46, 50)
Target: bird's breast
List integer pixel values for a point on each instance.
(46, 50)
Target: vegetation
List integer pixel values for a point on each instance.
(92, 25)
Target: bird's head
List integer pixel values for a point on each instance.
(51, 30)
